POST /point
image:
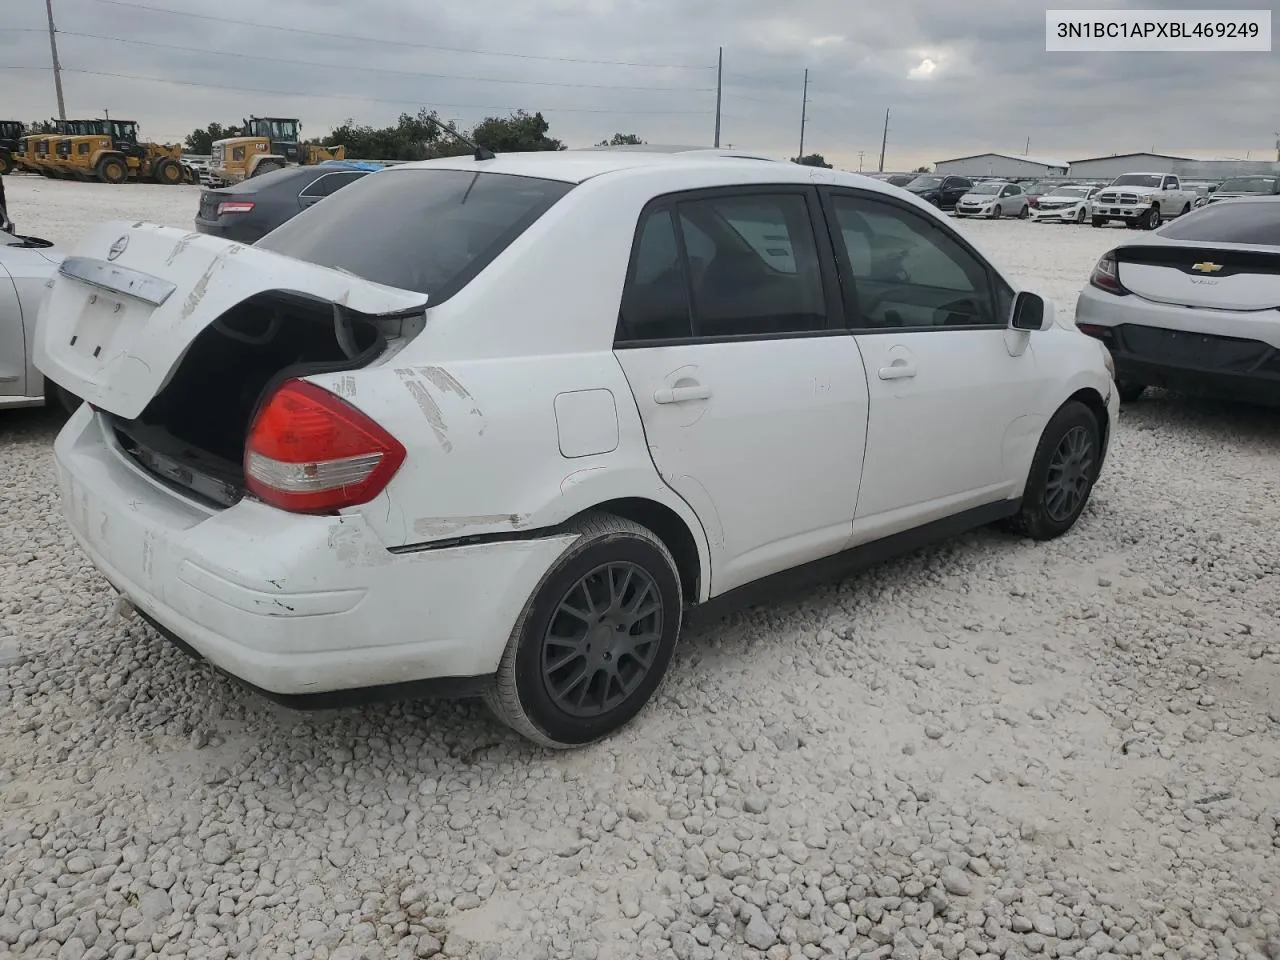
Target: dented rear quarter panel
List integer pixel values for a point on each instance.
(483, 447)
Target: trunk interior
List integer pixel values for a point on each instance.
(192, 433)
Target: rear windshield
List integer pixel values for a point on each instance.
(429, 231)
(1249, 185)
(1239, 221)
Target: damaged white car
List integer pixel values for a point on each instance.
(496, 426)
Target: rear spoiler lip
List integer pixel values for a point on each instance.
(122, 280)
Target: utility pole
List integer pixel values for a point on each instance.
(1028, 149)
(804, 103)
(57, 67)
(860, 153)
(719, 92)
(885, 139)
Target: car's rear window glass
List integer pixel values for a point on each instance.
(429, 231)
(1231, 221)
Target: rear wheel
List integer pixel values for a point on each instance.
(62, 397)
(168, 172)
(6, 164)
(1025, 211)
(594, 641)
(112, 170)
(1186, 208)
(1063, 473)
(1129, 392)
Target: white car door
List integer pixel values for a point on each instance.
(953, 390)
(13, 343)
(751, 390)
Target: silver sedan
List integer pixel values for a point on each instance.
(26, 266)
(1193, 307)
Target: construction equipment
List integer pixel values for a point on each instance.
(35, 151)
(10, 135)
(109, 151)
(266, 144)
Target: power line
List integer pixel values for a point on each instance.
(337, 96)
(399, 43)
(403, 73)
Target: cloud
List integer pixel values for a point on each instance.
(959, 78)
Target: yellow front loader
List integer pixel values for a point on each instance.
(267, 143)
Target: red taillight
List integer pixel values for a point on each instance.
(1034, 202)
(1106, 275)
(234, 206)
(312, 452)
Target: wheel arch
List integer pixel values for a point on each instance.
(687, 549)
(1091, 398)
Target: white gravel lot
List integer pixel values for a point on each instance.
(989, 748)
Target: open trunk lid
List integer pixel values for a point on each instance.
(124, 309)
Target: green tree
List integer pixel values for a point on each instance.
(517, 133)
(42, 126)
(812, 160)
(621, 140)
(200, 142)
(414, 136)
(924, 169)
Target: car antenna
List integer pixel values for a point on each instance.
(481, 153)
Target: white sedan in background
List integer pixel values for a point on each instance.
(1193, 307)
(1064, 205)
(496, 426)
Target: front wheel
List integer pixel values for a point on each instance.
(594, 641)
(6, 164)
(1080, 217)
(168, 172)
(996, 212)
(1097, 221)
(1063, 473)
(1151, 219)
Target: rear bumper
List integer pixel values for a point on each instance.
(1248, 370)
(297, 607)
(239, 232)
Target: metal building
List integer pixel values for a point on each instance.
(1108, 168)
(1001, 165)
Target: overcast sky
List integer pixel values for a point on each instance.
(959, 78)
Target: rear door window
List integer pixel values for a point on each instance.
(429, 231)
(330, 183)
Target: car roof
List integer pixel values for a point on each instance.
(578, 166)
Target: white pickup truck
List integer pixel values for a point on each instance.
(1142, 200)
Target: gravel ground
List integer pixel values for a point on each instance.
(989, 748)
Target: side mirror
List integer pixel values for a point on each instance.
(1031, 312)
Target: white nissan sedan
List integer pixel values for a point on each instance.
(495, 426)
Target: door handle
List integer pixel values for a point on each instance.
(898, 370)
(681, 394)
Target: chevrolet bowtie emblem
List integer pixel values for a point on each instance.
(1207, 267)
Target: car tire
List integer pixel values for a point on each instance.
(1186, 209)
(1063, 472)
(168, 172)
(1080, 216)
(1097, 221)
(6, 165)
(112, 170)
(612, 564)
(1151, 219)
(997, 212)
(1025, 211)
(1130, 392)
(67, 401)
